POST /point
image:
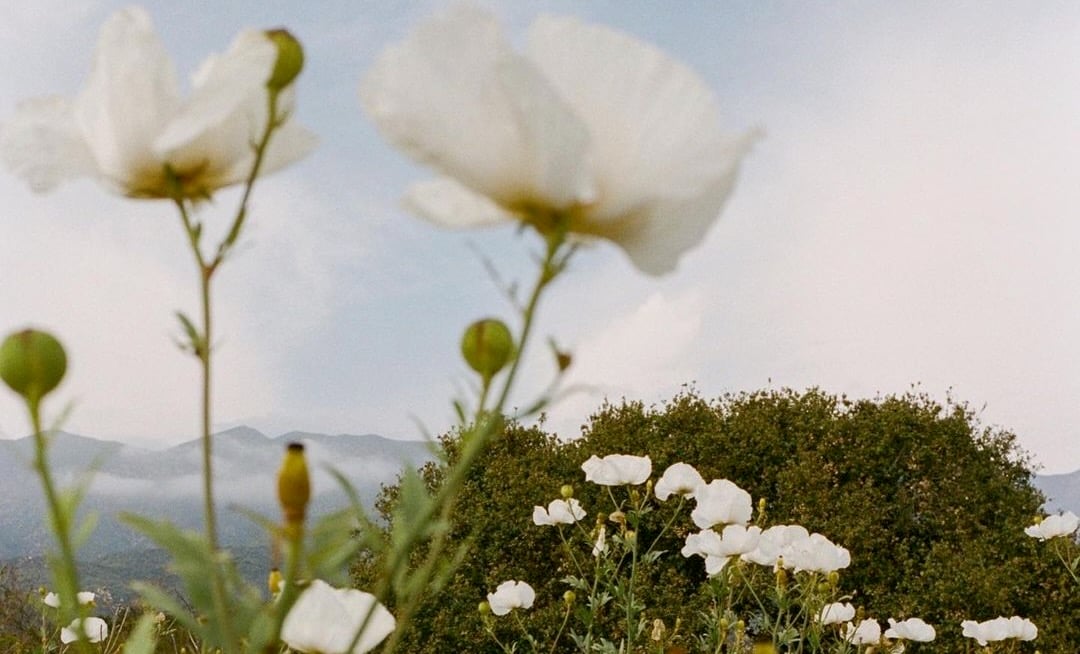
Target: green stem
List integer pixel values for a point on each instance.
(474, 443)
(68, 582)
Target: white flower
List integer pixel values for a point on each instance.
(559, 512)
(775, 542)
(867, 633)
(94, 629)
(511, 595)
(130, 121)
(1000, 629)
(718, 549)
(678, 479)
(721, 502)
(1054, 526)
(82, 597)
(589, 123)
(325, 619)
(836, 613)
(600, 546)
(911, 629)
(617, 469)
(816, 554)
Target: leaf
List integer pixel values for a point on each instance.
(141, 640)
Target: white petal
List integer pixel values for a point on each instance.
(226, 114)
(663, 167)
(445, 202)
(43, 145)
(131, 95)
(455, 96)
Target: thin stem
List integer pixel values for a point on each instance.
(474, 442)
(68, 582)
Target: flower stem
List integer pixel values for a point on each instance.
(67, 574)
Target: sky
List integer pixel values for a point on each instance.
(910, 220)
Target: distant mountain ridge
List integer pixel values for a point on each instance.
(168, 484)
(1062, 491)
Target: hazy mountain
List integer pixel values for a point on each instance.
(168, 484)
(1062, 491)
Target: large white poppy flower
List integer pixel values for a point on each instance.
(914, 629)
(721, 502)
(325, 619)
(1054, 526)
(588, 123)
(130, 122)
(559, 512)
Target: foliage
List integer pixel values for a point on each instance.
(931, 505)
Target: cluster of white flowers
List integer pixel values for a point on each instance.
(868, 632)
(1000, 629)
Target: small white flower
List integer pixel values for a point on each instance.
(774, 544)
(324, 619)
(84, 597)
(1000, 628)
(617, 469)
(914, 629)
(130, 121)
(867, 633)
(1054, 526)
(721, 502)
(94, 629)
(836, 613)
(511, 595)
(559, 512)
(588, 123)
(601, 542)
(718, 549)
(816, 554)
(679, 479)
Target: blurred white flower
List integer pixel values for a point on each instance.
(836, 613)
(721, 502)
(511, 595)
(679, 479)
(325, 619)
(1000, 628)
(816, 554)
(1053, 526)
(718, 549)
(82, 597)
(911, 629)
(617, 469)
(867, 633)
(589, 124)
(600, 546)
(94, 629)
(130, 122)
(559, 512)
(775, 542)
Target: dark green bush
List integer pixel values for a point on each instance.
(931, 505)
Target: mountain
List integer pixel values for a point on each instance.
(167, 484)
(1062, 491)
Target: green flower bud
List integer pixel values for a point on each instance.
(32, 363)
(484, 608)
(290, 59)
(294, 488)
(568, 597)
(487, 346)
(567, 491)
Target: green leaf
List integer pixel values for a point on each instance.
(141, 640)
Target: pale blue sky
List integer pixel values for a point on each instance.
(911, 217)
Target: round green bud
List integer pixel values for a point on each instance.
(568, 597)
(290, 59)
(487, 346)
(483, 608)
(567, 491)
(32, 363)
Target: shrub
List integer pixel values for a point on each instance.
(931, 505)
